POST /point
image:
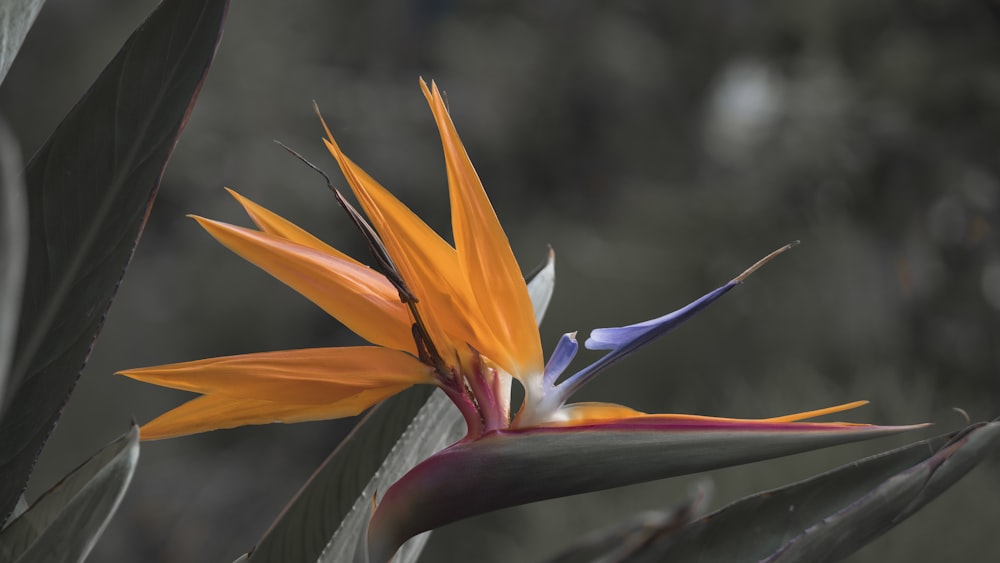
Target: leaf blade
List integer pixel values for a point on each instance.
(87, 204)
(893, 501)
(894, 482)
(65, 522)
(13, 251)
(307, 528)
(16, 18)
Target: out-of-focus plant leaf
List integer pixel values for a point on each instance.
(437, 424)
(829, 516)
(619, 542)
(89, 190)
(318, 524)
(895, 500)
(13, 248)
(16, 17)
(330, 513)
(65, 522)
(19, 508)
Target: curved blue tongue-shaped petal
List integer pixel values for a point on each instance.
(562, 356)
(622, 341)
(541, 397)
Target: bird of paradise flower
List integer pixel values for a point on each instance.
(460, 318)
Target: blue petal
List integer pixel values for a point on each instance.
(625, 340)
(562, 356)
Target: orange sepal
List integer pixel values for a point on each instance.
(582, 414)
(356, 295)
(215, 412)
(485, 255)
(592, 412)
(274, 224)
(427, 263)
(304, 377)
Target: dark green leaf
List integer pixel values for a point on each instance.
(13, 249)
(847, 530)
(19, 508)
(16, 17)
(65, 522)
(89, 192)
(833, 514)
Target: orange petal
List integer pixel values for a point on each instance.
(274, 224)
(580, 414)
(590, 412)
(427, 263)
(813, 414)
(214, 412)
(303, 377)
(356, 295)
(484, 252)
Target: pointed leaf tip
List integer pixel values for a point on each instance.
(836, 512)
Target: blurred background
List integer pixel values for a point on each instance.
(659, 147)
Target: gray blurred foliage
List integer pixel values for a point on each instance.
(13, 251)
(16, 17)
(65, 523)
(659, 147)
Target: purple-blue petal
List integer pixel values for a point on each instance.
(622, 341)
(562, 356)
(625, 339)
